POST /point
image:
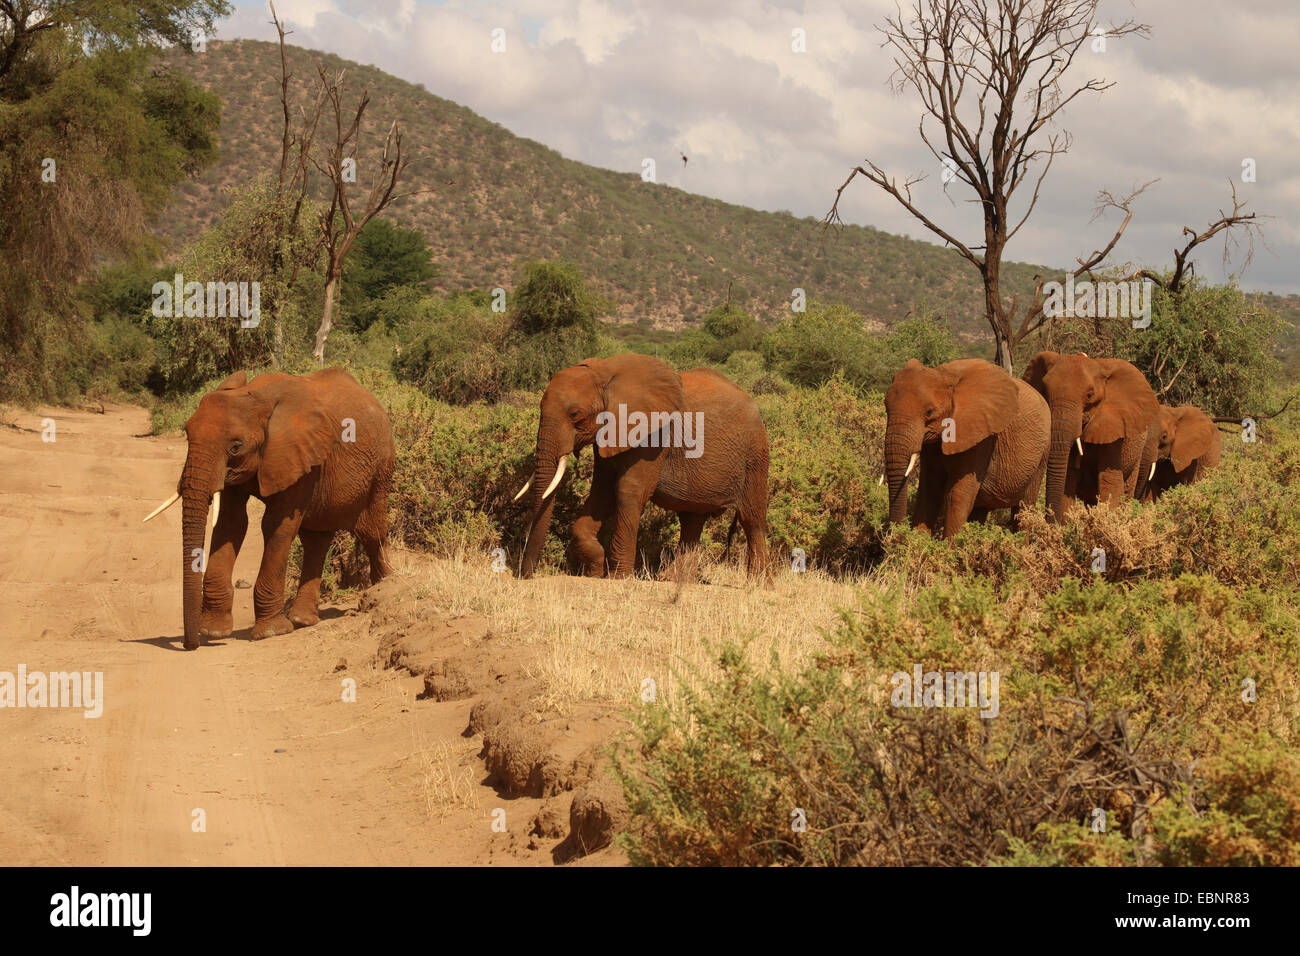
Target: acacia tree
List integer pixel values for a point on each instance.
(989, 77)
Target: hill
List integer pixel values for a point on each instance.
(489, 200)
(494, 199)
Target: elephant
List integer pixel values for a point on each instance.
(318, 451)
(695, 444)
(1105, 428)
(980, 436)
(1189, 446)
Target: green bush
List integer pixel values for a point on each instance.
(812, 347)
(553, 296)
(1108, 698)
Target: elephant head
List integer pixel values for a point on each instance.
(1091, 400)
(269, 431)
(964, 402)
(571, 404)
(1188, 435)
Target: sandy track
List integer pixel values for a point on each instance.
(88, 587)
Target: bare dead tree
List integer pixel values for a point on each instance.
(1185, 269)
(989, 73)
(296, 143)
(341, 222)
(1257, 416)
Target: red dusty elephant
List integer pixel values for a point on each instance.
(694, 443)
(318, 451)
(1190, 445)
(980, 436)
(1105, 428)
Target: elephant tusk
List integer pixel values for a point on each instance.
(164, 506)
(216, 508)
(559, 473)
(1153, 471)
(911, 464)
(882, 479)
(528, 484)
(1078, 442)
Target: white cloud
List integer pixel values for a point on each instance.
(593, 26)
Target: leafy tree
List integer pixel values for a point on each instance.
(250, 243)
(725, 329)
(813, 347)
(809, 348)
(924, 337)
(553, 296)
(384, 258)
(95, 26)
(91, 144)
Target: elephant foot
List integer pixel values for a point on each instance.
(271, 627)
(216, 624)
(303, 616)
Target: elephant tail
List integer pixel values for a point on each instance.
(731, 533)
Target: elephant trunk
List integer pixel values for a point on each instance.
(547, 460)
(1067, 427)
(902, 440)
(196, 489)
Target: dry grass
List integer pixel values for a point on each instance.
(447, 777)
(601, 639)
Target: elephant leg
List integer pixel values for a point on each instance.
(635, 486)
(1075, 482)
(377, 552)
(217, 619)
(688, 541)
(929, 493)
(959, 500)
(1150, 451)
(1029, 500)
(584, 540)
(1112, 484)
(315, 545)
(752, 512)
(372, 530)
(279, 527)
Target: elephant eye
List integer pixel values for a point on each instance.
(575, 414)
(236, 447)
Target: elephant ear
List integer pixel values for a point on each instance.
(639, 383)
(1127, 409)
(984, 402)
(1039, 366)
(1194, 437)
(299, 436)
(238, 380)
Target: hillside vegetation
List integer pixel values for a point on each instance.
(492, 198)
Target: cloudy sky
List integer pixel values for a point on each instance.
(611, 82)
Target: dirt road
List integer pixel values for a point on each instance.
(252, 740)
